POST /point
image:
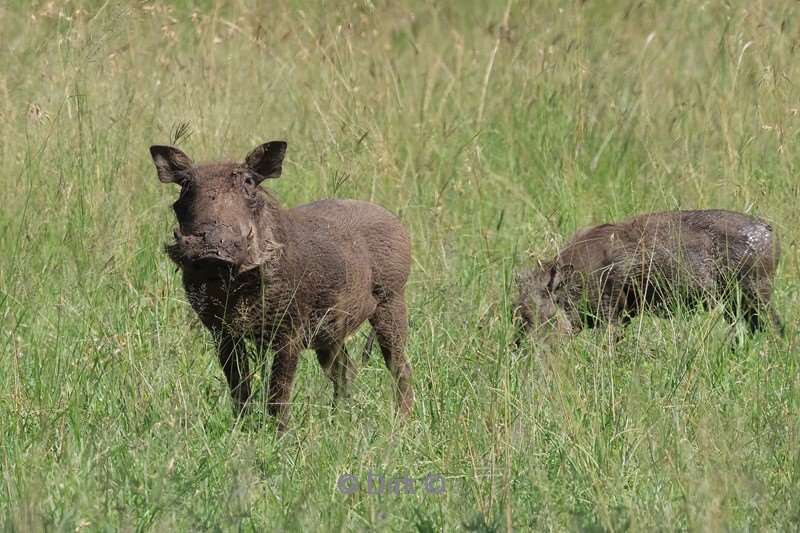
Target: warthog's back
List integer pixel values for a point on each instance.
(377, 234)
(700, 241)
(662, 256)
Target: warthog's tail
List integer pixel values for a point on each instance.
(368, 347)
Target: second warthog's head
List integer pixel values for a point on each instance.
(542, 305)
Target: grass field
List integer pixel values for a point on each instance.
(495, 130)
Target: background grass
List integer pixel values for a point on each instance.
(495, 130)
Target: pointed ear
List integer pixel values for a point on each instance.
(267, 159)
(170, 163)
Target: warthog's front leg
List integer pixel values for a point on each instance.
(281, 379)
(233, 359)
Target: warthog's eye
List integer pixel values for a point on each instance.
(250, 186)
(246, 178)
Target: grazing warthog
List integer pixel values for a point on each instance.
(608, 274)
(286, 279)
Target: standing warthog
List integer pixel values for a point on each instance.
(609, 273)
(286, 279)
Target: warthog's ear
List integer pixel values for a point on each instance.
(559, 273)
(171, 163)
(267, 159)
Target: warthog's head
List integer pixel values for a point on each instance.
(543, 297)
(224, 217)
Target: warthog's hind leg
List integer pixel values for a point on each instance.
(391, 328)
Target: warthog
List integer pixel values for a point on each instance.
(286, 279)
(608, 274)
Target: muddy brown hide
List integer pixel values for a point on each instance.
(657, 262)
(286, 279)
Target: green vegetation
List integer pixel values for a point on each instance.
(494, 131)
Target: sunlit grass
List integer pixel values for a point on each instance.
(495, 131)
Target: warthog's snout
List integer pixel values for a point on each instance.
(212, 244)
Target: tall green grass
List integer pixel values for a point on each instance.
(495, 130)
